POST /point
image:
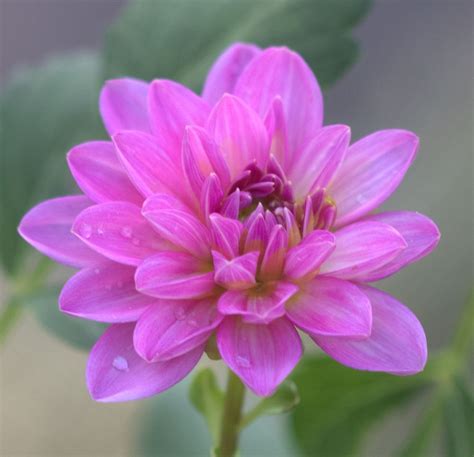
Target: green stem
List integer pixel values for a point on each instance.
(231, 415)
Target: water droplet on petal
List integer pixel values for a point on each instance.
(193, 322)
(180, 314)
(100, 230)
(85, 230)
(126, 231)
(96, 271)
(243, 362)
(120, 363)
(135, 241)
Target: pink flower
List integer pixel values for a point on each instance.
(236, 215)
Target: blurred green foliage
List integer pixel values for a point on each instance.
(77, 332)
(340, 406)
(44, 111)
(180, 39)
(208, 399)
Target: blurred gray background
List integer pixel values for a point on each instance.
(415, 71)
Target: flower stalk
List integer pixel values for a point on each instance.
(231, 416)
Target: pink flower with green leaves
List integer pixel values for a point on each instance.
(231, 222)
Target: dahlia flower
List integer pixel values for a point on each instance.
(227, 223)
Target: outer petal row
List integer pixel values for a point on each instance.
(261, 355)
(397, 343)
(371, 171)
(115, 372)
(47, 227)
(105, 293)
(227, 69)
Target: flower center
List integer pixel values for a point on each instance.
(270, 191)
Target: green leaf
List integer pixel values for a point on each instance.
(43, 112)
(180, 39)
(208, 399)
(283, 400)
(421, 440)
(77, 332)
(459, 421)
(339, 405)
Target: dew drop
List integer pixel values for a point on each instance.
(86, 230)
(243, 362)
(100, 230)
(120, 363)
(126, 231)
(96, 271)
(180, 314)
(135, 241)
(193, 322)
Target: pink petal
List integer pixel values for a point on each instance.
(291, 226)
(396, 345)
(275, 123)
(420, 233)
(174, 275)
(257, 235)
(161, 201)
(361, 248)
(261, 355)
(211, 195)
(319, 160)
(371, 171)
(330, 306)
(115, 372)
(239, 133)
(196, 165)
(47, 227)
(172, 328)
(201, 155)
(305, 258)
(172, 107)
(226, 234)
(123, 105)
(231, 205)
(179, 226)
(118, 231)
(150, 168)
(105, 293)
(237, 273)
(260, 305)
(281, 72)
(227, 69)
(274, 257)
(99, 173)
